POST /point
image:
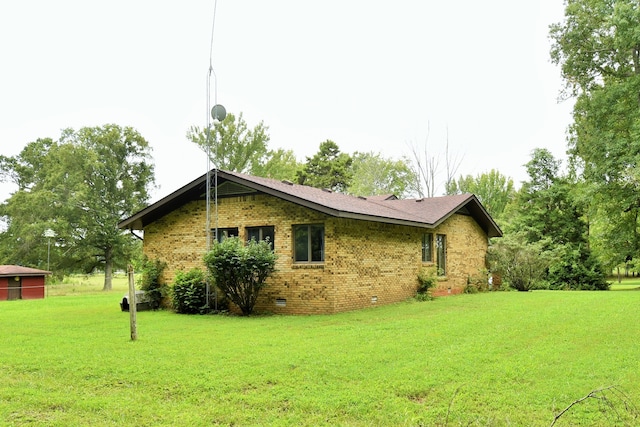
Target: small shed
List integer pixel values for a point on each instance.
(17, 282)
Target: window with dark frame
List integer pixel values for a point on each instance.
(223, 233)
(308, 241)
(441, 249)
(427, 247)
(262, 233)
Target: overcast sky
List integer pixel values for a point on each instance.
(370, 75)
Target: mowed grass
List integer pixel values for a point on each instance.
(87, 284)
(487, 359)
(626, 284)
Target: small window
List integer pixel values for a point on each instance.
(308, 243)
(427, 247)
(262, 233)
(441, 248)
(223, 233)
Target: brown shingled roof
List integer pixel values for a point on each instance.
(17, 270)
(427, 213)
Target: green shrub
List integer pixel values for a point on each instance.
(427, 280)
(575, 268)
(150, 282)
(241, 271)
(477, 283)
(189, 294)
(522, 265)
(471, 288)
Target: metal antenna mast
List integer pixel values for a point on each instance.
(217, 113)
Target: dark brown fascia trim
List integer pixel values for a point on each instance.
(136, 235)
(140, 214)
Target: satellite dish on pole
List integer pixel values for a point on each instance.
(218, 112)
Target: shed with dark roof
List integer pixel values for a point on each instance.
(17, 282)
(336, 252)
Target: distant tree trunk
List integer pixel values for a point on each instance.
(427, 167)
(108, 270)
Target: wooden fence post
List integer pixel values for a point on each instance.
(133, 307)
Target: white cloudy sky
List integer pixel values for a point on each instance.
(370, 75)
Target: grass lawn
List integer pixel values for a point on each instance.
(625, 284)
(496, 359)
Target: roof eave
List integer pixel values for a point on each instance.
(135, 221)
(492, 229)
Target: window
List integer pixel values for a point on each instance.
(441, 249)
(261, 233)
(224, 233)
(427, 247)
(308, 243)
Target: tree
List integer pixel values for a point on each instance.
(232, 145)
(548, 213)
(426, 167)
(493, 189)
(598, 49)
(546, 207)
(278, 164)
(80, 186)
(241, 271)
(328, 168)
(375, 175)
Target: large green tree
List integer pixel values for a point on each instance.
(80, 187)
(328, 168)
(548, 213)
(375, 175)
(232, 145)
(278, 164)
(597, 46)
(493, 189)
(546, 207)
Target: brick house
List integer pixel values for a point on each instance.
(335, 252)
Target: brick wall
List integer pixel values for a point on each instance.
(366, 263)
(466, 253)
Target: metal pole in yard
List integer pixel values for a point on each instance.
(132, 305)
